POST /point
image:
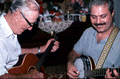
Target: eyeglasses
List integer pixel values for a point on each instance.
(31, 24)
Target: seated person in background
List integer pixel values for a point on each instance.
(21, 16)
(94, 38)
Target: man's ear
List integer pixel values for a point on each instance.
(113, 12)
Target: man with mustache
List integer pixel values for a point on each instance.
(94, 39)
(21, 16)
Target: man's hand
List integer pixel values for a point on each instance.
(54, 48)
(72, 71)
(34, 74)
(108, 74)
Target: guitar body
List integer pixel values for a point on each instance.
(24, 64)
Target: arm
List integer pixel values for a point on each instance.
(72, 56)
(3, 58)
(42, 48)
(71, 69)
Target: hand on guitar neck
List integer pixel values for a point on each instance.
(52, 40)
(109, 74)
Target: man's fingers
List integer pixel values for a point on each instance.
(115, 73)
(108, 74)
(71, 76)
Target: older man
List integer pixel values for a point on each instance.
(20, 17)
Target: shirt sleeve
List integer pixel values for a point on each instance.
(80, 46)
(3, 58)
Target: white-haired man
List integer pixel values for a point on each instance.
(20, 17)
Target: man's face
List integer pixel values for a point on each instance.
(101, 18)
(26, 19)
(23, 25)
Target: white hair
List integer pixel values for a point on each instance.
(22, 5)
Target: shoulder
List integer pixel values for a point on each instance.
(89, 30)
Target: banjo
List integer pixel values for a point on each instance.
(86, 67)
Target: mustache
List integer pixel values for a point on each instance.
(96, 24)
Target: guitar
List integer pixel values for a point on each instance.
(86, 67)
(24, 64)
(30, 61)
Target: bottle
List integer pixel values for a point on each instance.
(83, 16)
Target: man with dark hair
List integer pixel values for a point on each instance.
(94, 39)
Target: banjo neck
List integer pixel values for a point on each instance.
(86, 67)
(99, 72)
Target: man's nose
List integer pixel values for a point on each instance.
(30, 28)
(98, 20)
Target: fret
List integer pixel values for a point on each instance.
(102, 72)
(99, 72)
(118, 70)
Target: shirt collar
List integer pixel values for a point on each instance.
(8, 31)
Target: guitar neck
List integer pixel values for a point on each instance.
(99, 72)
(45, 54)
(43, 58)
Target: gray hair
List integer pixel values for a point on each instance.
(22, 5)
(102, 2)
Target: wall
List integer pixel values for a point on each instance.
(117, 12)
(116, 6)
(63, 5)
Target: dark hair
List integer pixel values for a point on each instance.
(101, 2)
